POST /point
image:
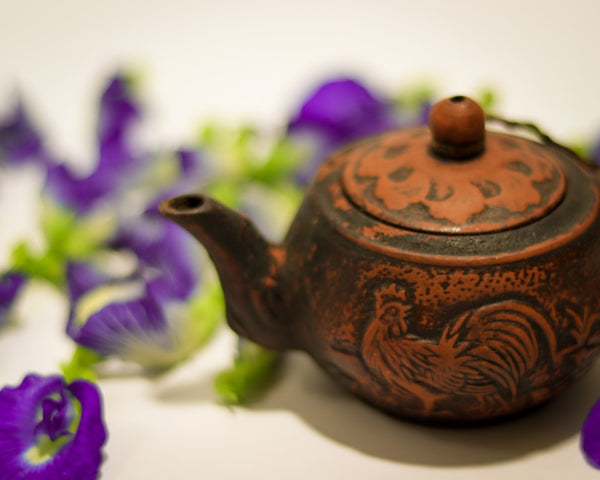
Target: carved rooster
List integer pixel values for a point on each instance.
(488, 353)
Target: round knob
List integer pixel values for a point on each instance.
(458, 127)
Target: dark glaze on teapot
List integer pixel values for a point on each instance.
(443, 273)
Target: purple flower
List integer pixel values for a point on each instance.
(113, 317)
(50, 430)
(117, 160)
(20, 142)
(166, 254)
(118, 112)
(134, 317)
(144, 315)
(10, 286)
(344, 110)
(590, 436)
(338, 112)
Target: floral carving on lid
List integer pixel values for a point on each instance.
(399, 179)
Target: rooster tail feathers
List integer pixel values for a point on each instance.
(505, 340)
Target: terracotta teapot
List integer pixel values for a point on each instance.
(446, 273)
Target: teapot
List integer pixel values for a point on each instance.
(442, 273)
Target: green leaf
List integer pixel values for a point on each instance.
(70, 236)
(282, 160)
(67, 237)
(225, 191)
(45, 266)
(254, 368)
(415, 95)
(242, 155)
(487, 99)
(56, 222)
(81, 365)
(583, 149)
(208, 313)
(229, 149)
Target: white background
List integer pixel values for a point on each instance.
(237, 60)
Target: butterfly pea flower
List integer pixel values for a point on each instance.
(11, 284)
(117, 158)
(339, 111)
(152, 316)
(51, 430)
(122, 318)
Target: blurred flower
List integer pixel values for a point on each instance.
(148, 316)
(344, 109)
(117, 160)
(50, 430)
(590, 436)
(72, 226)
(167, 255)
(114, 316)
(338, 112)
(10, 286)
(20, 141)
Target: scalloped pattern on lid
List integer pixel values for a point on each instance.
(423, 182)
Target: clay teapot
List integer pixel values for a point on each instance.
(446, 273)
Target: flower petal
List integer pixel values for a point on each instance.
(191, 163)
(10, 286)
(338, 112)
(79, 193)
(590, 436)
(344, 109)
(83, 277)
(57, 416)
(128, 319)
(79, 457)
(118, 111)
(109, 317)
(117, 159)
(167, 255)
(20, 140)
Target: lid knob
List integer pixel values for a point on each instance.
(458, 127)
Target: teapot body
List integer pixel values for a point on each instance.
(451, 328)
(446, 275)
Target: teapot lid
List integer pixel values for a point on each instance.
(453, 177)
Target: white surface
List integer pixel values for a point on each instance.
(254, 60)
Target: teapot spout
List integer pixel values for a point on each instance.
(247, 265)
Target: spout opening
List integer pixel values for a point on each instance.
(183, 204)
